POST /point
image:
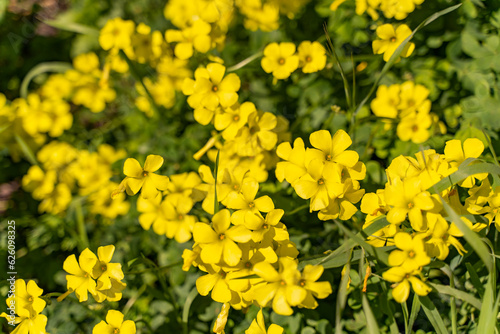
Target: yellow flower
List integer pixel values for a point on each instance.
(220, 322)
(80, 278)
(294, 165)
(27, 299)
(216, 280)
(114, 324)
(179, 224)
(404, 278)
(407, 198)
(332, 150)
(318, 185)
(259, 327)
(219, 242)
(29, 325)
(411, 254)
(116, 34)
(280, 60)
(455, 154)
(197, 37)
(282, 287)
(308, 281)
(390, 39)
(247, 206)
(387, 101)
(312, 57)
(107, 274)
(211, 89)
(231, 120)
(259, 134)
(145, 178)
(415, 127)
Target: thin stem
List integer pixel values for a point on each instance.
(453, 310)
(244, 62)
(300, 208)
(137, 77)
(405, 314)
(154, 269)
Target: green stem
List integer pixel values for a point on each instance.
(26, 150)
(137, 77)
(300, 208)
(453, 310)
(84, 240)
(405, 315)
(154, 269)
(244, 62)
(132, 300)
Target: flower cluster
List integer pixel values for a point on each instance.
(408, 202)
(407, 103)
(235, 246)
(141, 44)
(64, 169)
(389, 8)
(95, 274)
(28, 306)
(327, 173)
(281, 59)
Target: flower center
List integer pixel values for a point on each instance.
(282, 283)
(104, 267)
(328, 157)
(411, 102)
(116, 331)
(180, 217)
(248, 265)
(251, 205)
(393, 39)
(321, 182)
(414, 128)
(410, 205)
(236, 118)
(30, 299)
(411, 254)
(215, 88)
(265, 226)
(144, 173)
(302, 282)
(308, 59)
(236, 187)
(222, 236)
(281, 61)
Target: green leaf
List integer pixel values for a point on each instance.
(345, 248)
(415, 308)
(488, 314)
(472, 237)
(475, 279)
(39, 69)
(26, 150)
(448, 290)
(359, 240)
(371, 322)
(216, 171)
(72, 27)
(432, 314)
(464, 171)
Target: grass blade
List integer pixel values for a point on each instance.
(415, 308)
(464, 296)
(432, 314)
(39, 69)
(216, 171)
(348, 244)
(371, 322)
